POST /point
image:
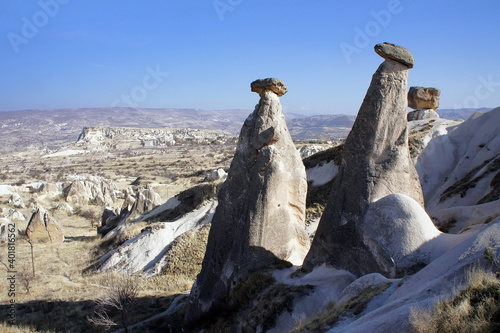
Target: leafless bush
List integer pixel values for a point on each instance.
(117, 301)
(25, 275)
(89, 214)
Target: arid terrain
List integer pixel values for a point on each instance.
(138, 201)
(42, 155)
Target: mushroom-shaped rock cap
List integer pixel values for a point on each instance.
(275, 85)
(395, 52)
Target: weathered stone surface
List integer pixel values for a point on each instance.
(51, 190)
(16, 201)
(395, 52)
(91, 189)
(376, 162)
(261, 211)
(275, 85)
(44, 228)
(402, 227)
(422, 114)
(4, 232)
(215, 175)
(147, 199)
(65, 207)
(15, 215)
(420, 98)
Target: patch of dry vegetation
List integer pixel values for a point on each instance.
(333, 313)
(186, 253)
(416, 136)
(63, 288)
(474, 309)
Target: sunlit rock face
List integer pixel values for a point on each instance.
(376, 162)
(261, 212)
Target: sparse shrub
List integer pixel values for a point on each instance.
(117, 302)
(333, 312)
(26, 276)
(92, 215)
(474, 309)
(247, 289)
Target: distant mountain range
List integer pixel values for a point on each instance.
(455, 114)
(38, 129)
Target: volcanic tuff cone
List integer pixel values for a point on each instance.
(261, 211)
(376, 162)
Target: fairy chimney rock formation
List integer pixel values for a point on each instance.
(44, 228)
(376, 162)
(261, 211)
(420, 98)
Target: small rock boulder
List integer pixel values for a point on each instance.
(395, 52)
(5, 224)
(109, 220)
(275, 85)
(16, 215)
(44, 228)
(51, 190)
(422, 114)
(402, 228)
(420, 98)
(147, 199)
(216, 175)
(16, 201)
(65, 207)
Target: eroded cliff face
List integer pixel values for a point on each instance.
(261, 212)
(376, 162)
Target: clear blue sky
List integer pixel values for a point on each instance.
(89, 53)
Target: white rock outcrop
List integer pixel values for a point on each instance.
(90, 189)
(16, 201)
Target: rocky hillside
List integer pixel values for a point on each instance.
(376, 264)
(397, 230)
(52, 129)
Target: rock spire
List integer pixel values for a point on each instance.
(376, 162)
(261, 211)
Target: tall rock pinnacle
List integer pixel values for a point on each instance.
(261, 211)
(376, 162)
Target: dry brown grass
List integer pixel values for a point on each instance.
(474, 309)
(63, 288)
(333, 312)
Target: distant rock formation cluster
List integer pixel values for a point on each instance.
(376, 162)
(142, 201)
(424, 101)
(90, 189)
(261, 212)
